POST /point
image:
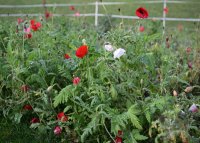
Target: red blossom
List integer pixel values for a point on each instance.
(27, 107)
(141, 28)
(35, 25)
(61, 116)
(142, 12)
(166, 10)
(118, 138)
(35, 120)
(66, 56)
(47, 14)
(76, 80)
(82, 51)
(25, 88)
(72, 8)
(28, 36)
(57, 130)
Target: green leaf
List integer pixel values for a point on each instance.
(132, 112)
(113, 92)
(17, 117)
(140, 137)
(64, 95)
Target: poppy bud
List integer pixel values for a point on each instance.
(24, 88)
(35, 120)
(141, 28)
(175, 93)
(57, 130)
(76, 80)
(188, 89)
(49, 88)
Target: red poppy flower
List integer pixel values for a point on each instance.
(66, 56)
(141, 28)
(118, 140)
(57, 130)
(61, 116)
(76, 80)
(35, 120)
(72, 8)
(82, 51)
(28, 36)
(27, 107)
(24, 88)
(142, 12)
(166, 10)
(47, 14)
(35, 25)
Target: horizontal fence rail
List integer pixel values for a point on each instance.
(99, 3)
(101, 15)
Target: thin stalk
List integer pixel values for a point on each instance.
(108, 132)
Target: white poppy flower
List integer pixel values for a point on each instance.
(108, 47)
(118, 53)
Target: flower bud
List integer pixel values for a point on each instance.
(188, 89)
(175, 93)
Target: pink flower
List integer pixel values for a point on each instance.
(77, 14)
(166, 10)
(193, 108)
(19, 20)
(76, 80)
(35, 120)
(27, 30)
(57, 130)
(141, 28)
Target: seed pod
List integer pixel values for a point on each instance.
(188, 89)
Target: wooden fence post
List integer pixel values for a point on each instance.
(96, 13)
(164, 15)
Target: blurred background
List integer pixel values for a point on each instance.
(187, 9)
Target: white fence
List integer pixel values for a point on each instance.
(97, 14)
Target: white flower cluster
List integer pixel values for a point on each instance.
(117, 53)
